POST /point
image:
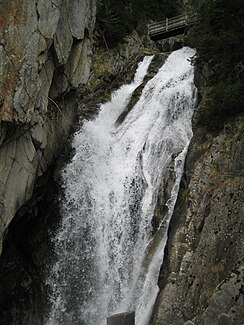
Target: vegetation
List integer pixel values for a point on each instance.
(115, 19)
(219, 40)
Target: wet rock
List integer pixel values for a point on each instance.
(170, 44)
(122, 319)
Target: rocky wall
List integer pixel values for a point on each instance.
(201, 280)
(45, 57)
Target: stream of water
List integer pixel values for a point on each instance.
(107, 255)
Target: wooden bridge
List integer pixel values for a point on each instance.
(171, 26)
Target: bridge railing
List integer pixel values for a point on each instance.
(173, 23)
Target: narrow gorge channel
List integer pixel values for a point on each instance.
(110, 242)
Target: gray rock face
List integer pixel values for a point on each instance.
(45, 55)
(202, 274)
(224, 320)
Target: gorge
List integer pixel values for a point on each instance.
(107, 256)
(96, 228)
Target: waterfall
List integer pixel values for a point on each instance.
(107, 256)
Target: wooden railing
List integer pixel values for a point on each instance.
(169, 25)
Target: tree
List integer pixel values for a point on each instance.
(219, 41)
(116, 19)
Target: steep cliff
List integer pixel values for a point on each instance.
(201, 279)
(45, 56)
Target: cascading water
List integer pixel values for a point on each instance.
(107, 256)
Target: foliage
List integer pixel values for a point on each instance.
(219, 40)
(224, 101)
(115, 19)
(219, 35)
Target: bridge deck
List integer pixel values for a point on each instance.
(172, 26)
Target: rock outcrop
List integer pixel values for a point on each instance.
(122, 319)
(202, 274)
(45, 56)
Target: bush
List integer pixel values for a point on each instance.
(222, 102)
(219, 40)
(219, 37)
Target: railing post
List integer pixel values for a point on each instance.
(167, 24)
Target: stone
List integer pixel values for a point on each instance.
(170, 44)
(77, 65)
(63, 39)
(45, 51)
(38, 136)
(4, 63)
(122, 319)
(78, 18)
(224, 319)
(49, 14)
(205, 250)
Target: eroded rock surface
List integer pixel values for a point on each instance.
(202, 274)
(45, 56)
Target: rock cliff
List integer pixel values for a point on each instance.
(45, 56)
(201, 280)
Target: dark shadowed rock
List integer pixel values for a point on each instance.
(170, 44)
(122, 319)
